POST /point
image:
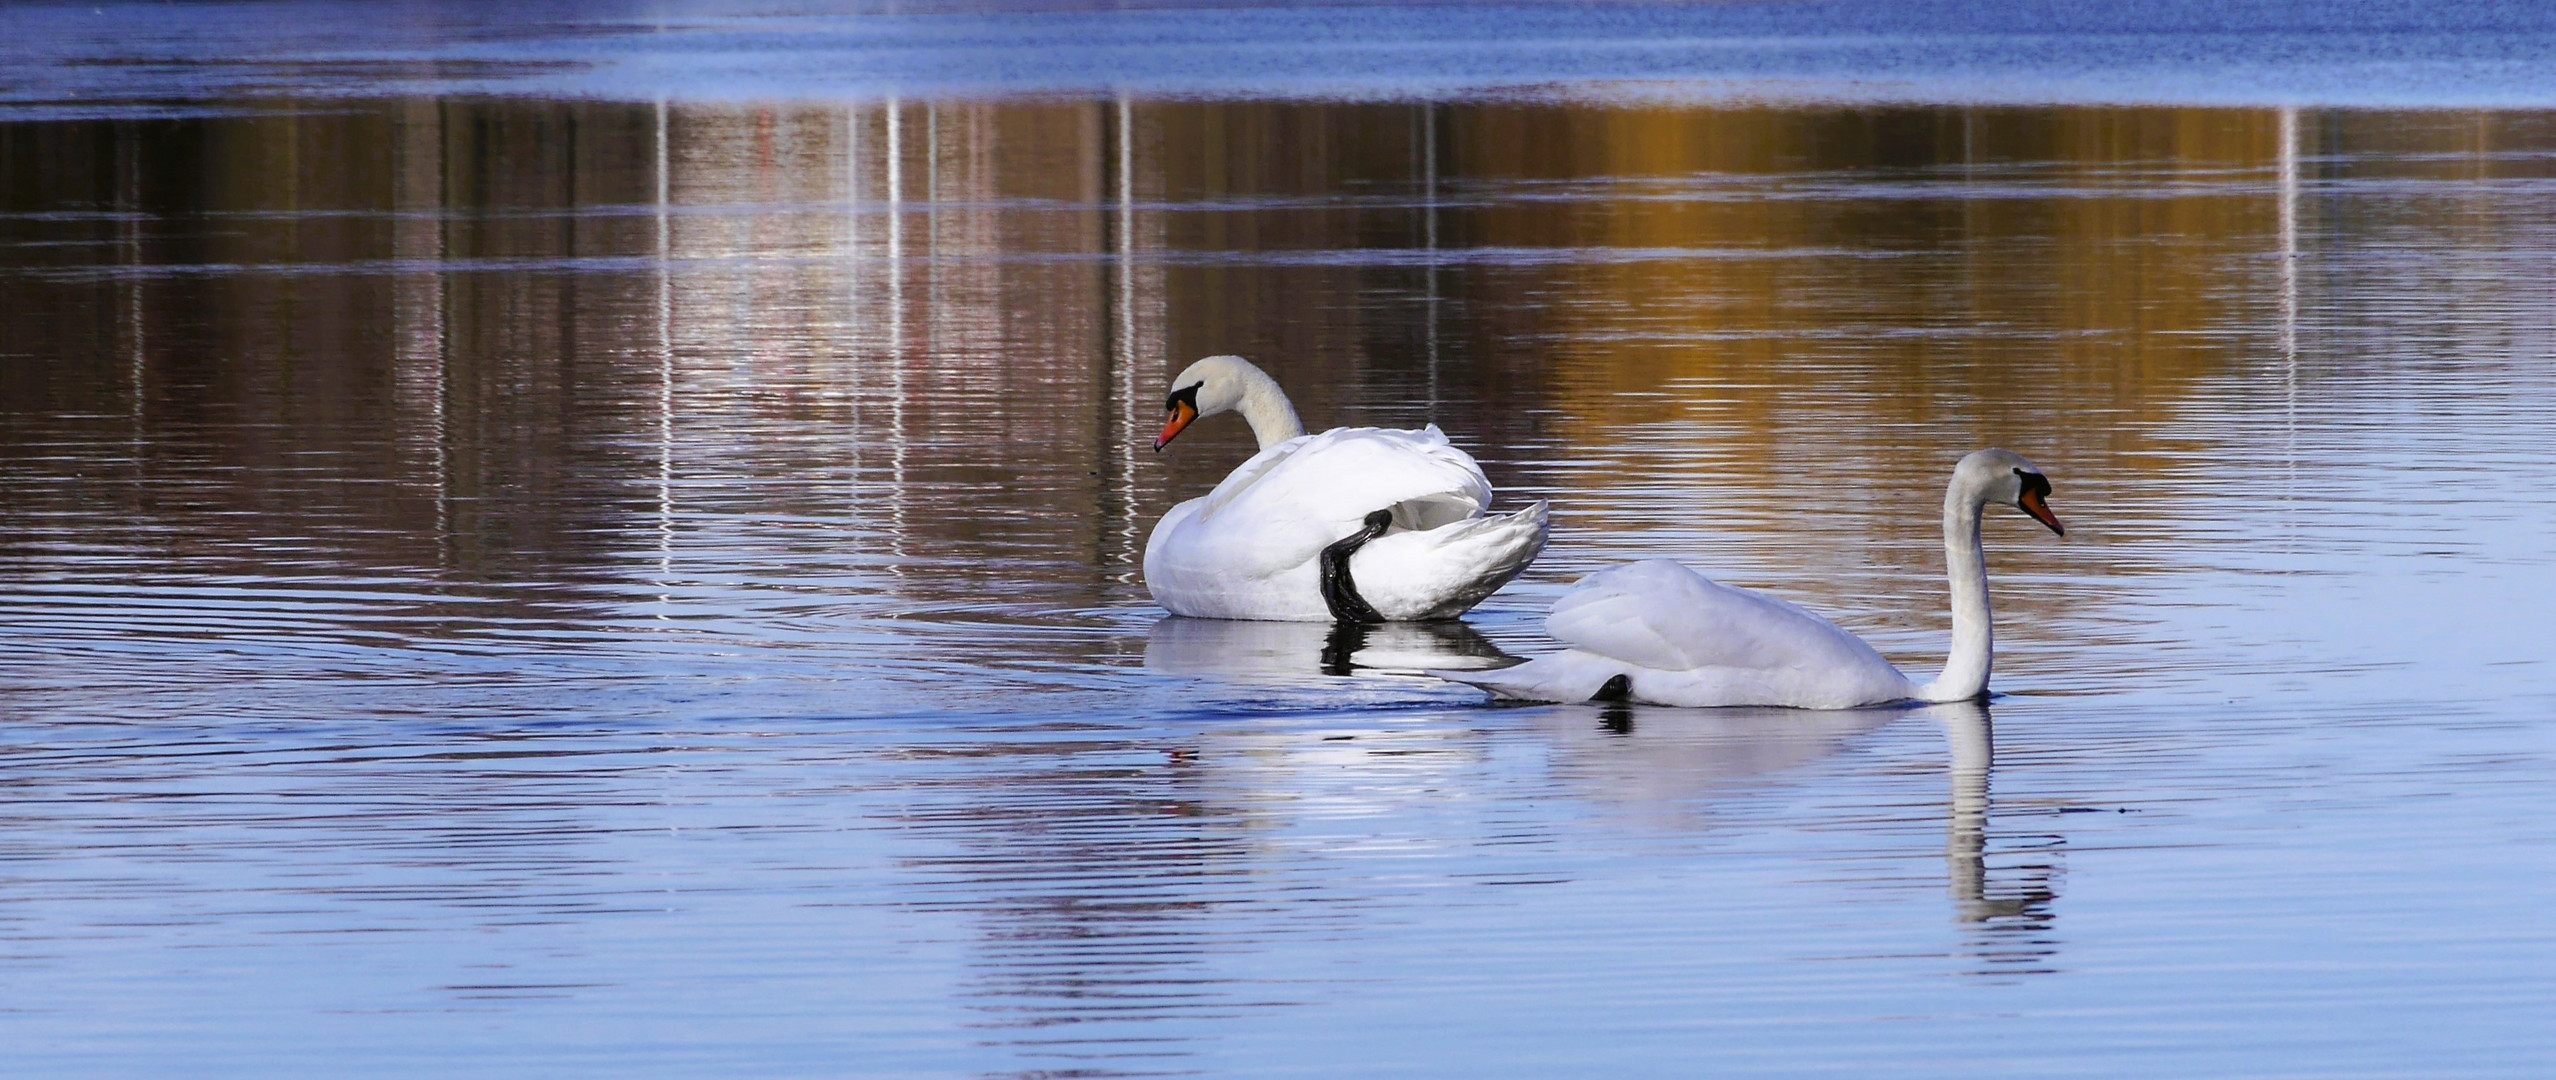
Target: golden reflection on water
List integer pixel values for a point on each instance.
(625, 355)
(298, 394)
(509, 339)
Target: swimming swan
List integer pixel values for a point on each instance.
(1659, 633)
(1354, 524)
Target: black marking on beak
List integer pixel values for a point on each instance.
(1182, 404)
(2033, 500)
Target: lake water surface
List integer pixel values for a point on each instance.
(517, 576)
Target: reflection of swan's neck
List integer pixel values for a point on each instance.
(1265, 407)
(1965, 674)
(1966, 841)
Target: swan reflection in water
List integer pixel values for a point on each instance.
(1656, 762)
(1663, 766)
(1232, 647)
(2009, 912)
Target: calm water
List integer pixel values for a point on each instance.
(500, 582)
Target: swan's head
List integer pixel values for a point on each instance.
(2004, 476)
(1210, 386)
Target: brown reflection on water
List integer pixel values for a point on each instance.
(506, 339)
(393, 373)
(608, 352)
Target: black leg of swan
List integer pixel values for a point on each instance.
(1613, 714)
(1339, 590)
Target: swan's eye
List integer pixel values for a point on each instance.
(1187, 395)
(2034, 483)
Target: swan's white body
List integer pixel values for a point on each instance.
(1685, 639)
(1682, 639)
(1251, 548)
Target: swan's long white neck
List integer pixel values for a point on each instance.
(1266, 408)
(1965, 674)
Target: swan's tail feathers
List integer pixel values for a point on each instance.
(1567, 676)
(1507, 543)
(1441, 573)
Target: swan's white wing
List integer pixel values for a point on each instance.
(1441, 572)
(1658, 614)
(1278, 510)
(1344, 474)
(1248, 549)
(1680, 639)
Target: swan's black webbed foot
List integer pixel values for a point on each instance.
(1617, 688)
(1339, 590)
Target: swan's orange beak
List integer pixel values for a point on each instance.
(2040, 511)
(1182, 413)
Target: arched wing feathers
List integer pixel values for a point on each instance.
(1342, 475)
(1658, 614)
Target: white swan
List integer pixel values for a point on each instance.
(1354, 524)
(1659, 633)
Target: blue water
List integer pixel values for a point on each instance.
(527, 585)
(76, 59)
